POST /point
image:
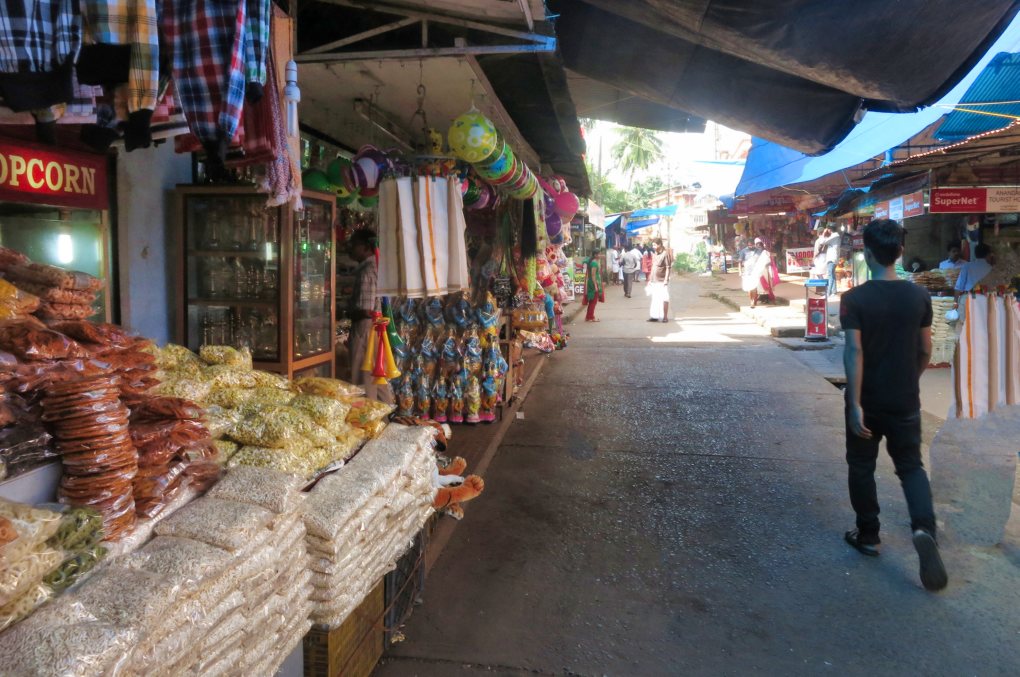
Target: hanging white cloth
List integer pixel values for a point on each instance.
(1012, 351)
(433, 233)
(459, 278)
(400, 268)
(970, 367)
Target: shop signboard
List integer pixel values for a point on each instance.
(900, 208)
(975, 200)
(882, 210)
(913, 204)
(800, 260)
(40, 175)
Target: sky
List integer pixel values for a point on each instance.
(687, 157)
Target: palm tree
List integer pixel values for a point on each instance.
(636, 149)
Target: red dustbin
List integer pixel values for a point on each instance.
(817, 310)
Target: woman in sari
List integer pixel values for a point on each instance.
(760, 274)
(593, 291)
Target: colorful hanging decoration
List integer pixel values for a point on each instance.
(474, 139)
(379, 356)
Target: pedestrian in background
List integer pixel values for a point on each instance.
(658, 283)
(646, 263)
(593, 290)
(613, 259)
(953, 258)
(827, 249)
(631, 264)
(888, 343)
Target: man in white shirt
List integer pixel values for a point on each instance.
(954, 260)
(972, 273)
(631, 264)
(827, 249)
(614, 264)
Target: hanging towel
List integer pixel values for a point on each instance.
(433, 233)
(1012, 351)
(400, 260)
(459, 278)
(997, 396)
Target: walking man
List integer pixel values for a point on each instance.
(361, 309)
(613, 259)
(658, 284)
(888, 343)
(631, 264)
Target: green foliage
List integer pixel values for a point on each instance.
(636, 149)
(645, 190)
(688, 263)
(608, 195)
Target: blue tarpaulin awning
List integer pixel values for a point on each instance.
(992, 102)
(641, 223)
(770, 165)
(613, 220)
(668, 210)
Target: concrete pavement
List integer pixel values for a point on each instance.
(673, 503)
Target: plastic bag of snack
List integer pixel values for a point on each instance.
(275, 426)
(288, 460)
(327, 387)
(26, 603)
(219, 420)
(228, 376)
(51, 310)
(28, 341)
(73, 568)
(226, 355)
(186, 388)
(18, 576)
(172, 357)
(228, 398)
(156, 408)
(52, 276)
(58, 295)
(10, 257)
(182, 432)
(16, 301)
(79, 528)
(273, 490)
(329, 413)
(225, 450)
(225, 524)
(365, 411)
(33, 527)
(267, 379)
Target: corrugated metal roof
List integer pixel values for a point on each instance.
(999, 81)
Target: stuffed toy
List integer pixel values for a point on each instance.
(451, 488)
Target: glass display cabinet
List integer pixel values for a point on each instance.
(258, 277)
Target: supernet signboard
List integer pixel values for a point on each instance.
(974, 200)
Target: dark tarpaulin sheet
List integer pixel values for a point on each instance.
(533, 89)
(797, 72)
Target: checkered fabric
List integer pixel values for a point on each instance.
(134, 23)
(256, 39)
(206, 43)
(38, 36)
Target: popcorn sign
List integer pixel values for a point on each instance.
(39, 175)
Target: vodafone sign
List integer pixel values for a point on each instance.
(974, 200)
(41, 175)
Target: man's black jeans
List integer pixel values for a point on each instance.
(903, 441)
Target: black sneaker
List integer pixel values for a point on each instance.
(933, 571)
(866, 545)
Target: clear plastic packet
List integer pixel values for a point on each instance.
(25, 604)
(226, 524)
(182, 432)
(79, 528)
(365, 411)
(51, 310)
(53, 276)
(185, 563)
(332, 503)
(276, 491)
(289, 459)
(33, 527)
(25, 445)
(123, 596)
(267, 379)
(203, 474)
(166, 408)
(18, 576)
(26, 341)
(266, 396)
(74, 568)
(228, 376)
(226, 450)
(18, 301)
(174, 357)
(187, 388)
(327, 387)
(226, 355)
(219, 420)
(328, 412)
(276, 426)
(229, 397)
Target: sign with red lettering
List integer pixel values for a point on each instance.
(958, 200)
(41, 175)
(882, 210)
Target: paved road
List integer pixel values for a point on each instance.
(673, 504)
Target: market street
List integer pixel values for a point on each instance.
(673, 503)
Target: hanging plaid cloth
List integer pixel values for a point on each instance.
(206, 41)
(39, 41)
(121, 49)
(256, 46)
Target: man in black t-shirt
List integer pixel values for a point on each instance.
(888, 343)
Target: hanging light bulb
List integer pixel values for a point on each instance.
(292, 95)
